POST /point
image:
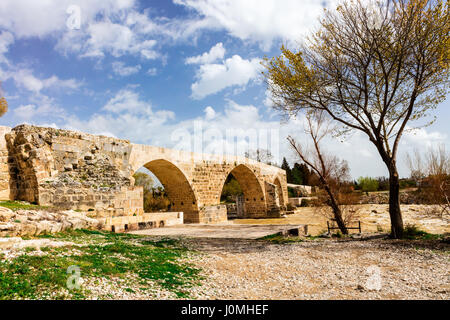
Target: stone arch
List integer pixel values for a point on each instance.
(255, 202)
(279, 189)
(178, 188)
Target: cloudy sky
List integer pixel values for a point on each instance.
(155, 71)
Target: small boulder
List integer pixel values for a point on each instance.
(56, 227)
(77, 223)
(7, 226)
(6, 214)
(43, 226)
(28, 229)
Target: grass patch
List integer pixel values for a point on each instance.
(106, 255)
(18, 205)
(412, 232)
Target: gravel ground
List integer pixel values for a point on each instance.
(322, 269)
(312, 269)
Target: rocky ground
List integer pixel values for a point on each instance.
(144, 267)
(312, 268)
(323, 269)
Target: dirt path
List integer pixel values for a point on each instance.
(326, 269)
(230, 231)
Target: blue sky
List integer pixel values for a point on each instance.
(147, 71)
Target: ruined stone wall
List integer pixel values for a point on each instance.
(72, 170)
(5, 190)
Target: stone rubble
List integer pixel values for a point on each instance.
(33, 222)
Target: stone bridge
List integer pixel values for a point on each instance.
(74, 170)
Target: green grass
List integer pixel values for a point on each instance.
(412, 232)
(106, 255)
(17, 205)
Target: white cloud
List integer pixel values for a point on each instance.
(116, 27)
(262, 21)
(25, 78)
(126, 116)
(107, 27)
(121, 69)
(235, 71)
(216, 53)
(6, 39)
(127, 101)
(423, 138)
(118, 40)
(152, 72)
(210, 113)
(26, 111)
(41, 107)
(43, 18)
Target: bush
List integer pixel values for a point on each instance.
(290, 207)
(412, 232)
(291, 192)
(407, 183)
(306, 203)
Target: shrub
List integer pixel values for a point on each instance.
(306, 203)
(290, 207)
(412, 232)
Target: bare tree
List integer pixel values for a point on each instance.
(260, 155)
(331, 171)
(373, 66)
(432, 172)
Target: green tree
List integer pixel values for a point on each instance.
(155, 199)
(298, 175)
(373, 67)
(368, 184)
(231, 188)
(144, 180)
(285, 166)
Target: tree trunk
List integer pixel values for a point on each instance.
(394, 203)
(336, 211)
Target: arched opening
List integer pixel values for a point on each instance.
(170, 191)
(279, 192)
(242, 186)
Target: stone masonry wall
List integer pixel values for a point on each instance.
(72, 170)
(5, 190)
(213, 214)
